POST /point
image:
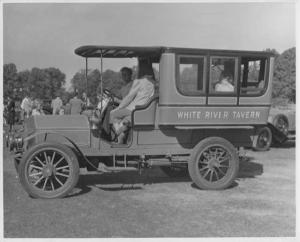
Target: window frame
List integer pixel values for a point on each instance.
(197, 93)
(236, 71)
(266, 76)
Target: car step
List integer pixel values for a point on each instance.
(104, 168)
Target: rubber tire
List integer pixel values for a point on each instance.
(275, 123)
(230, 176)
(171, 172)
(67, 188)
(258, 132)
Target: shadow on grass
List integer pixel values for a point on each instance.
(131, 180)
(286, 145)
(234, 184)
(249, 168)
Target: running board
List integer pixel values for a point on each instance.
(102, 167)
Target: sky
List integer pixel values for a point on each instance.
(46, 34)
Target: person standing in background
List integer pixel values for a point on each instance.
(10, 113)
(37, 108)
(56, 105)
(86, 100)
(76, 104)
(26, 106)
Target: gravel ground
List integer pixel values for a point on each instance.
(260, 203)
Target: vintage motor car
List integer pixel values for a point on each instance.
(190, 124)
(284, 119)
(281, 128)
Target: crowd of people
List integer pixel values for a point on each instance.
(117, 117)
(31, 107)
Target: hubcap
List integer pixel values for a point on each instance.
(282, 125)
(48, 170)
(263, 139)
(213, 163)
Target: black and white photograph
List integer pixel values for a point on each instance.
(136, 119)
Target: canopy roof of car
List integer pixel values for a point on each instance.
(118, 51)
(152, 52)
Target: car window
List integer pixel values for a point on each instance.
(253, 78)
(222, 75)
(191, 78)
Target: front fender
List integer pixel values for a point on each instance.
(37, 138)
(41, 137)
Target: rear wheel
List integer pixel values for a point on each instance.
(262, 139)
(282, 124)
(49, 170)
(214, 164)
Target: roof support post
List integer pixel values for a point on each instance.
(86, 75)
(101, 78)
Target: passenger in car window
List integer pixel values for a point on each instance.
(225, 84)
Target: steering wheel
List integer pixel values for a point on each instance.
(110, 95)
(107, 92)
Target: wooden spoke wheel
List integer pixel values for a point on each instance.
(49, 170)
(214, 164)
(282, 124)
(262, 139)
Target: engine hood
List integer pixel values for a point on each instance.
(56, 123)
(58, 128)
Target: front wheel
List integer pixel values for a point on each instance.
(214, 164)
(49, 170)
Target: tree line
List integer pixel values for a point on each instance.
(48, 82)
(284, 79)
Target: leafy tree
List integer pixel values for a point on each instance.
(38, 83)
(22, 80)
(284, 85)
(274, 51)
(55, 81)
(111, 81)
(9, 79)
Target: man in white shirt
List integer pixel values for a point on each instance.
(56, 105)
(141, 91)
(26, 106)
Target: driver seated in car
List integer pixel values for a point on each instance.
(126, 76)
(104, 104)
(141, 91)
